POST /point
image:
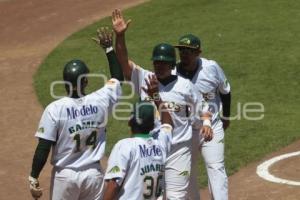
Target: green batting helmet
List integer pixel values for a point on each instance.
(143, 116)
(74, 69)
(164, 52)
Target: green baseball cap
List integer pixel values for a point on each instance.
(143, 112)
(189, 41)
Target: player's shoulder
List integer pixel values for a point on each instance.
(124, 141)
(110, 86)
(134, 65)
(57, 104)
(210, 65)
(125, 144)
(125, 147)
(111, 83)
(183, 84)
(137, 67)
(184, 81)
(207, 63)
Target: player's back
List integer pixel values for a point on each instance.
(142, 158)
(81, 133)
(77, 126)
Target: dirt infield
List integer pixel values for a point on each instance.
(29, 31)
(246, 184)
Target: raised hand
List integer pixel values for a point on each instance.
(152, 87)
(118, 21)
(104, 37)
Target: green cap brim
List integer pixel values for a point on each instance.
(185, 46)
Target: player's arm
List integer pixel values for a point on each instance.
(225, 95)
(202, 113)
(226, 102)
(112, 189)
(47, 134)
(206, 129)
(105, 40)
(39, 159)
(120, 27)
(153, 93)
(117, 167)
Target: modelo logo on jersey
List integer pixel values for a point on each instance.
(172, 106)
(150, 151)
(83, 111)
(208, 96)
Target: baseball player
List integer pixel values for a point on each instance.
(74, 127)
(136, 165)
(210, 80)
(180, 99)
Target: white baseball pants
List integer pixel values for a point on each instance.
(177, 171)
(213, 155)
(83, 184)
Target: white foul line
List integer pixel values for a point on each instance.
(263, 169)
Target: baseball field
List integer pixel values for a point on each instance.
(256, 42)
(251, 41)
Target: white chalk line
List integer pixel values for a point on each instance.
(262, 170)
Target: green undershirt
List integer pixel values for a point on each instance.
(141, 135)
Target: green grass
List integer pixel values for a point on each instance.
(256, 42)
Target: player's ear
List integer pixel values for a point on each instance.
(130, 122)
(84, 82)
(199, 52)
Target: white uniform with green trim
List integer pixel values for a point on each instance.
(180, 96)
(138, 164)
(77, 126)
(210, 81)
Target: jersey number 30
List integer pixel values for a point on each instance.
(152, 186)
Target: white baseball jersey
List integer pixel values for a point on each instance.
(209, 81)
(181, 98)
(138, 164)
(77, 126)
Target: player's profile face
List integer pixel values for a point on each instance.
(162, 69)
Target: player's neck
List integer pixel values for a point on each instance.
(167, 80)
(193, 66)
(188, 71)
(75, 95)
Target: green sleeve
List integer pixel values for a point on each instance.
(226, 101)
(40, 157)
(114, 66)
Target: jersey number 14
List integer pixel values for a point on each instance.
(90, 140)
